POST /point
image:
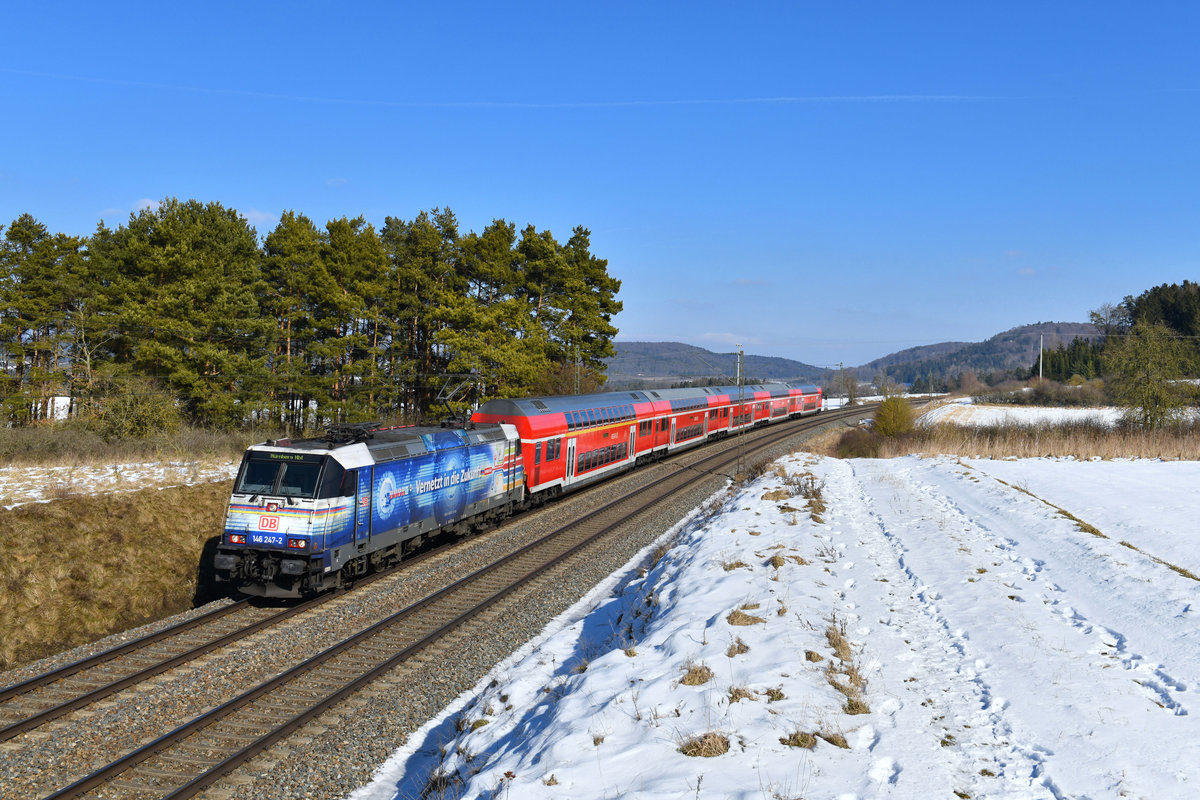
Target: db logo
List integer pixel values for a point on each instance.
(268, 523)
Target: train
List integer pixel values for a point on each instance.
(310, 515)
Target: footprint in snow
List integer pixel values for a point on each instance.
(885, 770)
(865, 738)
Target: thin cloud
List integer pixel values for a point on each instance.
(661, 103)
(1027, 271)
(750, 282)
(730, 339)
(146, 205)
(258, 218)
(337, 181)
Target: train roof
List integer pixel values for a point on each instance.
(387, 443)
(533, 406)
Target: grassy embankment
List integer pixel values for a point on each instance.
(77, 569)
(85, 566)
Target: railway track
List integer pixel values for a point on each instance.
(194, 755)
(43, 698)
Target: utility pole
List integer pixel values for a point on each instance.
(741, 460)
(1041, 349)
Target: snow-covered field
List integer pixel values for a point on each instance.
(21, 485)
(1007, 652)
(965, 412)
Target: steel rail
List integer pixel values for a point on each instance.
(105, 656)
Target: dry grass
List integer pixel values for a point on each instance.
(777, 561)
(729, 566)
(739, 693)
(1094, 531)
(440, 783)
(660, 550)
(706, 745)
(808, 486)
(73, 443)
(800, 739)
(84, 567)
(1083, 441)
(835, 739)
(696, 674)
(844, 675)
(737, 648)
(835, 634)
(739, 617)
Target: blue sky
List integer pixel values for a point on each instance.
(820, 181)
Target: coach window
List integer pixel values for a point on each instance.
(537, 453)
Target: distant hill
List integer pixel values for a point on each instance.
(647, 364)
(1016, 348)
(664, 363)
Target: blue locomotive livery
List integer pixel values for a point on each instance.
(313, 514)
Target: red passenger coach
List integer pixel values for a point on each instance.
(575, 440)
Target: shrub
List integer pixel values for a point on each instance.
(858, 443)
(132, 408)
(894, 417)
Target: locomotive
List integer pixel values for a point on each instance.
(313, 514)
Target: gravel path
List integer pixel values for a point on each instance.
(338, 752)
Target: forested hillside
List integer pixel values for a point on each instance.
(312, 324)
(661, 363)
(1010, 351)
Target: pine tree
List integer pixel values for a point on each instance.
(39, 280)
(190, 277)
(294, 274)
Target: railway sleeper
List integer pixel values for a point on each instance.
(142, 788)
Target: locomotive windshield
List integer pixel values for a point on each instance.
(279, 474)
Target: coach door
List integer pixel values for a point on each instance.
(631, 453)
(570, 473)
(362, 510)
(672, 439)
